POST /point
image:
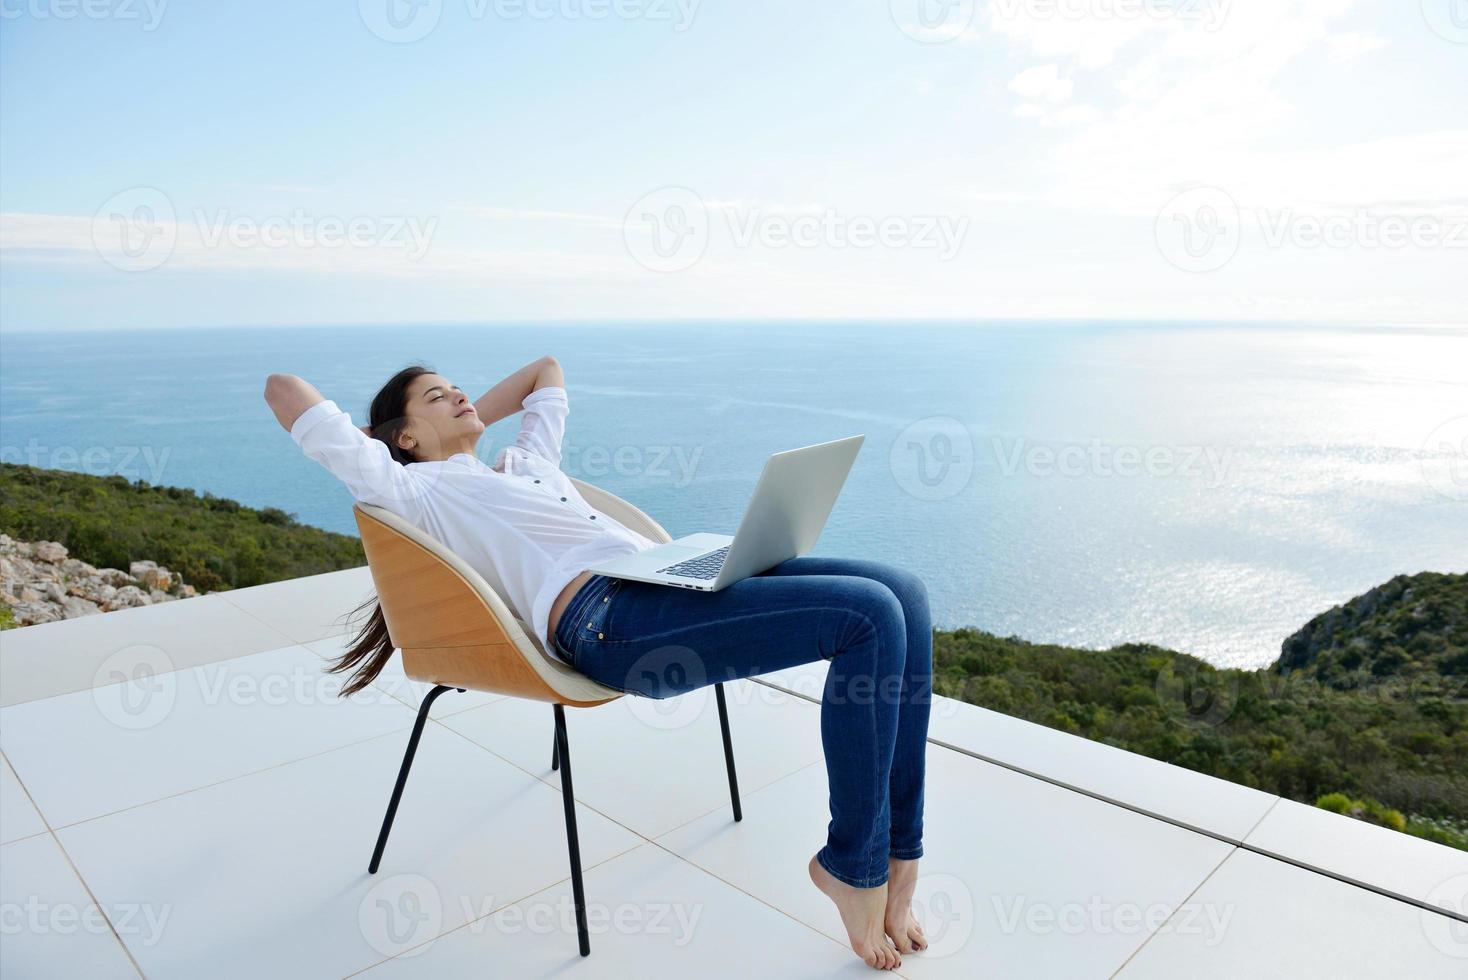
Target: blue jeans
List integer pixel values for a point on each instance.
(868, 618)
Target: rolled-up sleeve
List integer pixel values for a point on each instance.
(543, 426)
(326, 434)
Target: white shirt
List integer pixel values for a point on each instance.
(520, 523)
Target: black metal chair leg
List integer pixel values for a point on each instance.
(573, 842)
(728, 752)
(397, 791)
(555, 753)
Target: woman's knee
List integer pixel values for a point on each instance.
(909, 588)
(874, 608)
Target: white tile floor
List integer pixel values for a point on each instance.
(215, 818)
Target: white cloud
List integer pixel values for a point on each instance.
(1173, 104)
(1042, 83)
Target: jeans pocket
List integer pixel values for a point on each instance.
(593, 628)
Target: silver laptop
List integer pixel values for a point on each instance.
(793, 498)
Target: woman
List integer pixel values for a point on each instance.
(523, 524)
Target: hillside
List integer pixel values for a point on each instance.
(1413, 627)
(214, 543)
(1364, 712)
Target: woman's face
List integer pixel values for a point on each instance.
(441, 419)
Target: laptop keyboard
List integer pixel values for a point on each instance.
(704, 566)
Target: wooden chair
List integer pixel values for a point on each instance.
(456, 631)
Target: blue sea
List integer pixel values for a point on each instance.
(1205, 487)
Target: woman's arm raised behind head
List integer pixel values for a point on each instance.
(288, 396)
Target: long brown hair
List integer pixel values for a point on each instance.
(373, 647)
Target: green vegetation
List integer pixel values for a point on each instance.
(1364, 713)
(215, 543)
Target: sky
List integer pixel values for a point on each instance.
(183, 163)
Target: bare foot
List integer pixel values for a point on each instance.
(897, 919)
(861, 913)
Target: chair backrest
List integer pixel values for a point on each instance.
(455, 628)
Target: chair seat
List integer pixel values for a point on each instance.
(452, 623)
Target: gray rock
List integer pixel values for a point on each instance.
(75, 607)
(50, 551)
